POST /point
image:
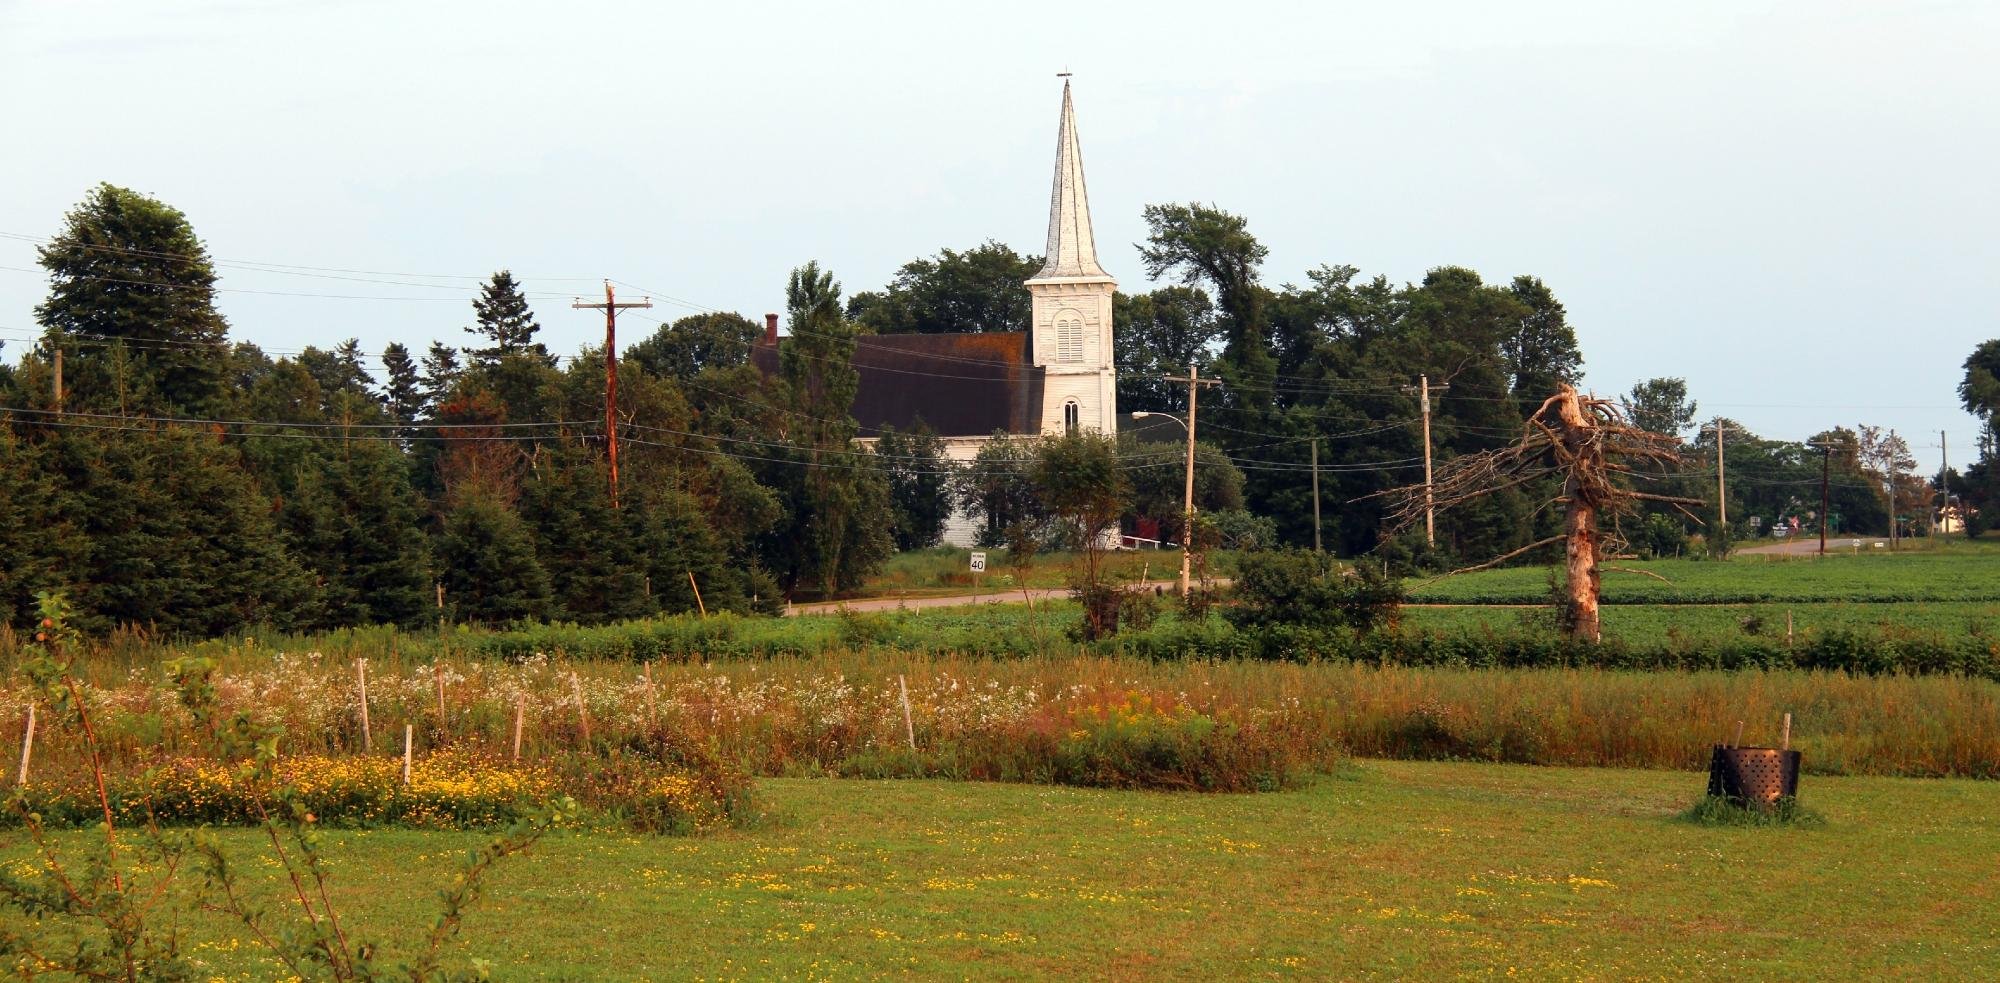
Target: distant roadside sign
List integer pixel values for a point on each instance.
(978, 563)
(1756, 521)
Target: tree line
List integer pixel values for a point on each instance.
(168, 475)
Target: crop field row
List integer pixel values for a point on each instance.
(1716, 622)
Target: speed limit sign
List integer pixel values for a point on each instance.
(978, 563)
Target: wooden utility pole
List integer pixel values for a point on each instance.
(1315, 459)
(58, 377)
(1825, 517)
(1194, 383)
(1944, 477)
(611, 307)
(1423, 391)
(1721, 492)
(1894, 468)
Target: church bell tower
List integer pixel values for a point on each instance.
(1072, 303)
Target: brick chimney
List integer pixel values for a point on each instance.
(771, 330)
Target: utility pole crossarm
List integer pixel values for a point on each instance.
(611, 306)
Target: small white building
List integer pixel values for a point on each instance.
(1059, 375)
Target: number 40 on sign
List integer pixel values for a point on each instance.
(978, 563)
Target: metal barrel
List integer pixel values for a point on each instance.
(1757, 776)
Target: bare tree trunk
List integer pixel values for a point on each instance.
(1582, 532)
(1582, 580)
(1588, 443)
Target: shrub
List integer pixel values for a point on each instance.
(1108, 608)
(1150, 741)
(1308, 589)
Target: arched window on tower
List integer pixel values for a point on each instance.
(1072, 417)
(1069, 337)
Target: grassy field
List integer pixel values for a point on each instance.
(1400, 865)
(1947, 570)
(1398, 870)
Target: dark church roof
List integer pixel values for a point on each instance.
(960, 385)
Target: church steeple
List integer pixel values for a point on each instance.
(1070, 324)
(1072, 248)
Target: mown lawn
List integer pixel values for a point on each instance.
(1402, 870)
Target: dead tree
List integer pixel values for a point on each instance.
(1588, 443)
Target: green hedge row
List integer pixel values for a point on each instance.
(1501, 594)
(998, 632)
(1863, 653)
(1014, 632)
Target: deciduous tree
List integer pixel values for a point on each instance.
(836, 535)
(978, 289)
(1661, 405)
(919, 478)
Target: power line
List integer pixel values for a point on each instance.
(280, 435)
(196, 421)
(286, 269)
(232, 290)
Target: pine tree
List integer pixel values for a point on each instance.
(339, 370)
(441, 373)
(594, 575)
(487, 563)
(180, 537)
(506, 321)
(37, 547)
(128, 274)
(674, 539)
(403, 392)
(353, 518)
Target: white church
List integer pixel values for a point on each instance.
(1059, 375)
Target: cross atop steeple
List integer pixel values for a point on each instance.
(1072, 248)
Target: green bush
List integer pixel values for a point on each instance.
(1311, 590)
(1536, 646)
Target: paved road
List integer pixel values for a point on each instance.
(954, 601)
(1810, 544)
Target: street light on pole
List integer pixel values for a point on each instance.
(1187, 506)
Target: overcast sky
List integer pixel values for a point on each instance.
(1792, 205)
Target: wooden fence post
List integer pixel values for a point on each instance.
(909, 729)
(361, 675)
(652, 708)
(697, 594)
(437, 672)
(27, 747)
(582, 714)
(409, 733)
(520, 711)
